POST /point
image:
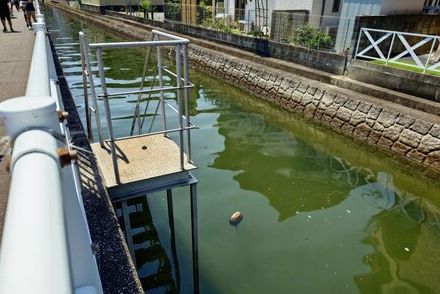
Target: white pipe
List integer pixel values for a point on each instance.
(38, 79)
(33, 256)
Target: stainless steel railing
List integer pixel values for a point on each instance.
(158, 40)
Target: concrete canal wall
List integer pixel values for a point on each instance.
(411, 134)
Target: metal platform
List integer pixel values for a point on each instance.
(145, 164)
(145, 159)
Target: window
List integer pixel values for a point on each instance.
(336, 5)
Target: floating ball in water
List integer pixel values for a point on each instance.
(235, 218)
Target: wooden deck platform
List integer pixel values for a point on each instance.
(145, 164)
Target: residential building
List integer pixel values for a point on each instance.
(279, 18)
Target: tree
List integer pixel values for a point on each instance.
(146, 6)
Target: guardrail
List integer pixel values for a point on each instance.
(46, 245)
(415, 57)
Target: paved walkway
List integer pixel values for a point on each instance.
(15, 58)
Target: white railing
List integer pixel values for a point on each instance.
(422, 59)
(46, 245)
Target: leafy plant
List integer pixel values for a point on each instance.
(172, 10)
(312, 37)
(203, 12)
(257, 34)
(220, 25)
(146, 6)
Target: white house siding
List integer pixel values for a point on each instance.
(291, 4)
(283, 4)
(278, 5)
(313, 6)
(224, 6)
(329, 18)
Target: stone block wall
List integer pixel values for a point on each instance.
(414, 139)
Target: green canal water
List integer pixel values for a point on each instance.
(321, 213)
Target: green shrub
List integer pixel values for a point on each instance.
(219, 25)
(146, 6)
(312, 37)
(172, 10)
(204, 12)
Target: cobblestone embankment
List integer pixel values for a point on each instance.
(414, 138)
(413, 135)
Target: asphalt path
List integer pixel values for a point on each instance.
(15, 59)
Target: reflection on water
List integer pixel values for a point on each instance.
(152, 263)
(321, 214)
(285, 168)
(405, 258)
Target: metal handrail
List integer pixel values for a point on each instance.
(151, 90)
(158, 40)
(46, 244)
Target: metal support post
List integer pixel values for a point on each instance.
(137, 108)
(86, 98)
(187, 97)
(194, 237)
(84, 48)
(173, 237)
(162, 96)
(108, 114)
(180, 104)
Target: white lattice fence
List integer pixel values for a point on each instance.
(374, 42)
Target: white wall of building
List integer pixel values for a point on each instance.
(351, 9)
(313, 6)
(283, 4)
(291, 4)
